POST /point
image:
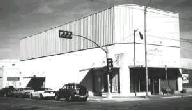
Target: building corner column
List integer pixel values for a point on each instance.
(124, 72)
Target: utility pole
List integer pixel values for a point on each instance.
(134, 58)
(145, 43)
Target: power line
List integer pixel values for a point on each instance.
(181, 18)
(168, 38)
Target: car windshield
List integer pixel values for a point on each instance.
(44, 89)
(74, 86)
(27, 88)
(48, 89)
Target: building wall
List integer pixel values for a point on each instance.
(162, 26)
(163, 35)
(114, 26)
(9, 73)
(76, 67)
(65, 68)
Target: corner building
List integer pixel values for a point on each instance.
(78, 60)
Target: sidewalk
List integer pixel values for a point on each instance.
(117, 98)
(137, 98)
(179, 95)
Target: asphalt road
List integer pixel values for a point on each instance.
(178, 103)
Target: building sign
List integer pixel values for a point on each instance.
(185, 78)
(13, 78)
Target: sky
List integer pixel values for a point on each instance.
(21, 18)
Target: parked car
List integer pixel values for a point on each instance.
(17, 92)
(27, 91)
(43, 93)
(22, 92)
(7, 92)
(71, 92)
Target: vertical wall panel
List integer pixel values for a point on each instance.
(97, 27)
(46, 43)
(40, 39)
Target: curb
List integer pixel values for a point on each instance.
(118, 99)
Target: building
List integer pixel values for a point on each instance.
(78, 60)
(9, 73)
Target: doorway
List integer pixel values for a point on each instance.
(100, 81)
(114, 81)
(155, 84)
(36, 83)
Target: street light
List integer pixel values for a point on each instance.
(134, 47)
(141, 36)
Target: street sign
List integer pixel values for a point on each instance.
(185, 78)
(65, 34)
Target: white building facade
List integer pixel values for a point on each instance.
(10, 73)
(77, 60)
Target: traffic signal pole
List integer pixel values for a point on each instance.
(106, 52)
(107, 56)
(108, 77)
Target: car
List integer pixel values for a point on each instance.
(7, 92)
(27, 92)
(43, 93)
(72, 91)
(22, 92)
(17, 92)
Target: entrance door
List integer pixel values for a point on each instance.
(115, 83)
(155, 86)
(98, 84)
(36, 83)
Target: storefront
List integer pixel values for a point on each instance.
(159, 79)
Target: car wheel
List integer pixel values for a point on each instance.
(5, 94)
(41, 96)
(56, 97)
(84, 99)
(20, 96)
(31, 96)
(69, 98)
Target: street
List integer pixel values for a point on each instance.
(167, 103)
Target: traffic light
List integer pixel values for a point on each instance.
(65, 34)
(109, 65)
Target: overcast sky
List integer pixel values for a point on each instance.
(20, 18)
